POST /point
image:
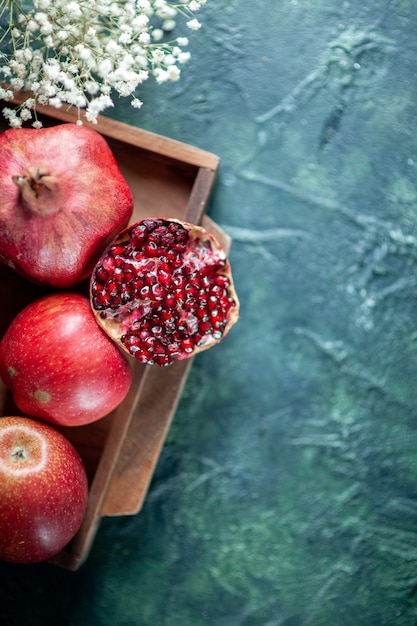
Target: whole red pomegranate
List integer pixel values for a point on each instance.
(59, 364)
(43, 490)
(62, 199)
(164, 291)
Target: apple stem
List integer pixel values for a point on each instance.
(19, 454)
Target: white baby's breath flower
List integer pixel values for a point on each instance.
(140, 22)
(193, 24)
(55, 102)
(157, 34)
(51, 69)
(158, 56)
(166, 12)
(125, 38)
(161, 76)
(92, 87)
(41, 18)
(6, 94)
(96, 106)
(49, 41)
(168, 25)
(144, 38)
(32, 26)
(17, 83)
(76, 53)
(112, 47)
(144, 6)
(74, 10)
(43, 4)
(62, 35)
(174, 73)
(184, 57)
(105, 67)
(46, 28)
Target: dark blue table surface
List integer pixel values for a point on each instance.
(286, 493)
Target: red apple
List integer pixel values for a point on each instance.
(60, 365)
(43, 490)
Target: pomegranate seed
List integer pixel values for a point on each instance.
(115, 302)
(112, 287)
(212, 302)
(138, 234)
(125, 296)
(117, 250)
(136, 285)
(161, 359)
(191, 304)
(187, 344)
(219, 325)
(191, 290)
(135, 255)
(181, 235)
(101, 300)
(101, 274)
(169, 256)
(164, 277)
(151, 249)
(178, 280)
(201, 313)
(173, 227)
(108, 265)
(205, 327)
(177, 261)
(158, 292)
(226, 303)
(218, 291)
(128, 275)
(170, 301)
(167, 316)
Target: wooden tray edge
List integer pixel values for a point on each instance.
(130, 134)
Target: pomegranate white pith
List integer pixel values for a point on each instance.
(164, 291)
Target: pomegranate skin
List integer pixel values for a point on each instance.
(163, 290)
(62, 199)
(59, 364)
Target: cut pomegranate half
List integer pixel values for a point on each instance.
(163, 290)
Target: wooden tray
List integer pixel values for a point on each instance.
(120, 451)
